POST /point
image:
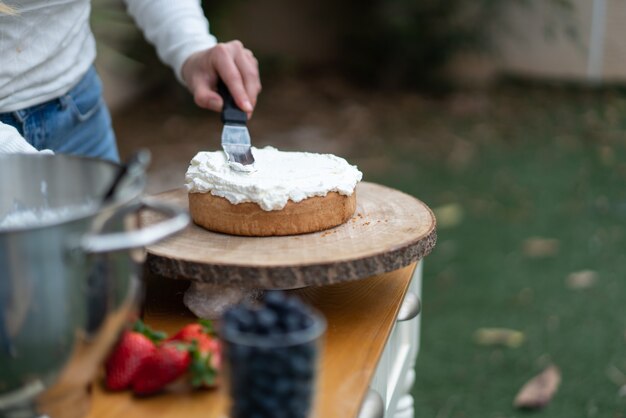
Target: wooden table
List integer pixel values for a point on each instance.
(361, 317)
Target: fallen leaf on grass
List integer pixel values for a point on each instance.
(449, 215)
(538, 247)
(539, 390)
(622, 392)
(581, 279)
(499, 336)
(615, 375)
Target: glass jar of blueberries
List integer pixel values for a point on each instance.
(271, 353)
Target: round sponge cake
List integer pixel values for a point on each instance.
(310, 215)
(288, 193)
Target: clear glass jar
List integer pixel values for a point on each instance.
(273, 376)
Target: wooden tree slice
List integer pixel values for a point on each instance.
(389, 230)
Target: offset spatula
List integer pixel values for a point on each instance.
(235, 135)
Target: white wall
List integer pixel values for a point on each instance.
(597, 55)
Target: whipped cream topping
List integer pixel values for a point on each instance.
(278, 177)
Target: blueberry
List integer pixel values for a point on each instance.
(255, 368)
(276, 365)
(306, 321)
(307, 351)
(291, 322)
(239, 317)
(294, 303)
(246, 320)
(300, 366)
(231, 316)
(266, 318)
(256, 396)
(239, 352)
(283, 386)
(263, 382)
(257, 365)
(268, 404)
(274, 298)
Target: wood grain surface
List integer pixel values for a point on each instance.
(360, 318)
(389, 230)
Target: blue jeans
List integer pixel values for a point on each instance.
(76, 123)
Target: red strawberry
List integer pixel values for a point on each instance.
(206, 345)
(205, 352)
(215, 349)
(188, 333)
(193, 331)
(206, 355)
(168, 363)
(127, 357)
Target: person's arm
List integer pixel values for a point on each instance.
(12, 142)
(180, 32)
(176, 28)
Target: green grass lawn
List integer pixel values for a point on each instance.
(515, 165)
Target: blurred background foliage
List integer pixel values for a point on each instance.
(378, 43)
(409, 44)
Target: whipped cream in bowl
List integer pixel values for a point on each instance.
(276, 178)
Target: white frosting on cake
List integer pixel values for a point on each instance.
(278, 177)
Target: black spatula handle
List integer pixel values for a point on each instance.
(231, 112)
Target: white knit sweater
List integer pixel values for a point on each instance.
(47, 46)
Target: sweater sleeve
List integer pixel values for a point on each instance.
(177, 28)
(12, 142)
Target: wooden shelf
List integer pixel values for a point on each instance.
(360, 315)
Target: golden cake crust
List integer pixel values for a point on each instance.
(313, 214)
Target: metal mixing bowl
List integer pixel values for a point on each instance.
(67, 284)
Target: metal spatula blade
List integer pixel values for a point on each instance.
(235, 136)
(236, 144)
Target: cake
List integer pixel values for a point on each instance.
(285, 193)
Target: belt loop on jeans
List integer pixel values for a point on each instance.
(63, 100)
(20, 115)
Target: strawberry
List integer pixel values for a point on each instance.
(194, 331)
(206, 345)
(207, 358)
(205, 352)
(169, 362)
(204, 366)
(215, 349)
(127, 357)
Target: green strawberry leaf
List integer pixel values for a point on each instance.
(207, 326)
(155, 336)
(201, 370)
